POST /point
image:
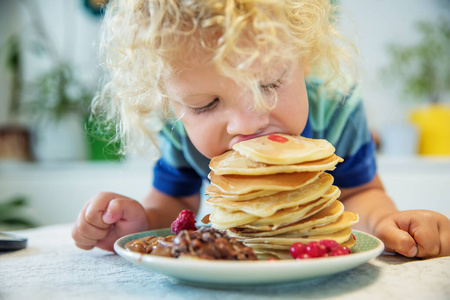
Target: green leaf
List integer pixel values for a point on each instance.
(423, 68)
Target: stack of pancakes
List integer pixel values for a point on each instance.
(273, 191)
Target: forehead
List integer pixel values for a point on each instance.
(187, 80)
(243, 58)
(240, 69)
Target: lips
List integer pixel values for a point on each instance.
(241, 138)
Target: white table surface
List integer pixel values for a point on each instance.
(51, 267)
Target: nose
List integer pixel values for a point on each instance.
(246, 121)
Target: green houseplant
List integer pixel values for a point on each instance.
(15, 141)
(12, 216)
(424, 71)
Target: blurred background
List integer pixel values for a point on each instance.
(53, 159)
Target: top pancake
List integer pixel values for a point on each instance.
(283, 149)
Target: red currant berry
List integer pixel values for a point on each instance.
(329, 244)
(297, 250)
(314, 249)
(337, 252)
(340, 251)
(346, 250)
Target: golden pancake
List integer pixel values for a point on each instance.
(346, 219)
(340, 237)
(289, 216)
(224, 219)
(232, 162)
(232, 221)
(242, 184)
(215, 192)
(310, 211)
(283, 149)
(264, 247)
(267, 206)
(326, 216)
(350, 242)
(278, 254)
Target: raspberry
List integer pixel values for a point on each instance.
(185, 221)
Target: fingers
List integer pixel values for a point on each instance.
(400, 241)
(126, 216)
(416, 234)
(96, 207)
(113, 213)
(444, 229)
(425, 232)
(86, 237)
(89, 227)
(122, 209)
(107, 217)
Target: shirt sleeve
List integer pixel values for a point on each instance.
(341, 120)
(354, 143)
(175, 182)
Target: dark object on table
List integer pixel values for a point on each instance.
(10, 242)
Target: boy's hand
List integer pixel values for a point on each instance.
(413, 233)
(107, 217)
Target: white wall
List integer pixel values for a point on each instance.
(57, 192)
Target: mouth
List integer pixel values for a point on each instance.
(241, 138)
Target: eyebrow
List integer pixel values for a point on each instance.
(272, 81)
(196, 95)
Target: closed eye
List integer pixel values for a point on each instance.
(210, 106)
(270, 87)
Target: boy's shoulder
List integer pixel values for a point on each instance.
(174, 132)
(330, 109)
(324, 98)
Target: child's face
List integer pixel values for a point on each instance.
(217, 112)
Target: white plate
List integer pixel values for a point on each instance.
(215, 273)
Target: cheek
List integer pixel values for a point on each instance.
(293, 110)
(203, 135)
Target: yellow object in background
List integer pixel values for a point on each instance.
(433, 123)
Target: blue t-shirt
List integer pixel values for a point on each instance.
(338, 118)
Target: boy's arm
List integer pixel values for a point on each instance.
(370, 201)
(162, 209)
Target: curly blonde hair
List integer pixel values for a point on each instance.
(142, 41)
